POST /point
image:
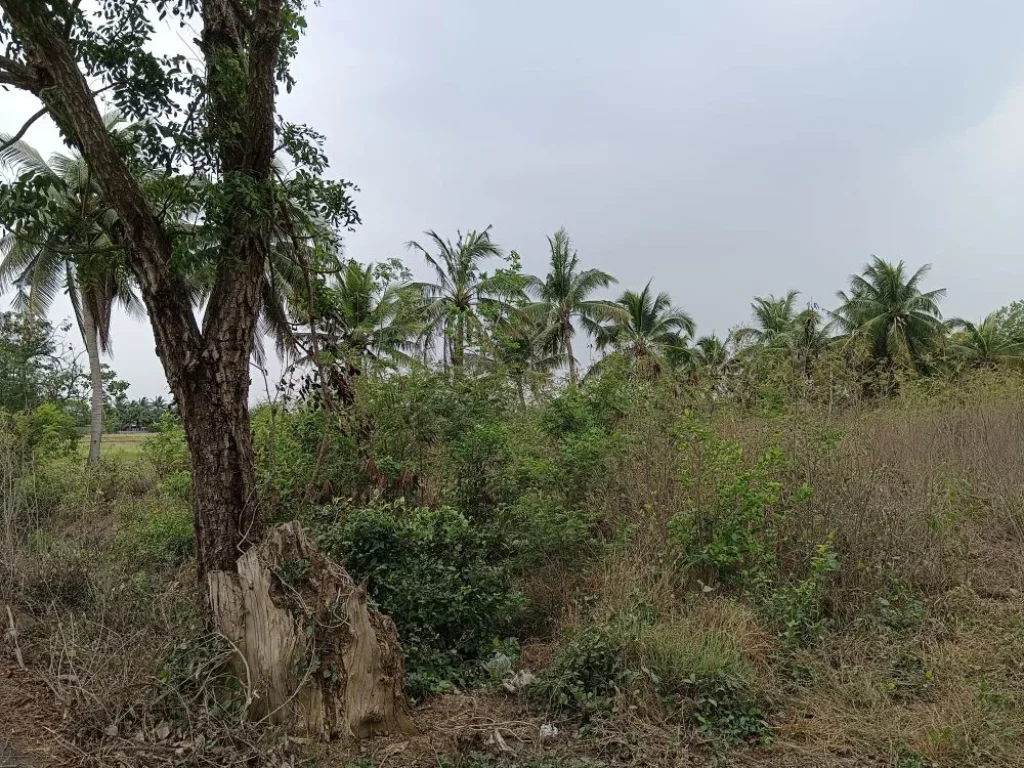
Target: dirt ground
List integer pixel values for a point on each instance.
(27, 717)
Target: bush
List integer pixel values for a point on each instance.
(435, 574)
(728, 528)
(586, 674)
(157, 531)
(538, 530)
(295, 465)
(52, 431)
(167, 451)
(57, 577)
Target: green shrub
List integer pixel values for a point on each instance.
(538, 530)
(52, 431)
(167, 451)
(436, 574)
(797, 608)
(295, 465)
(724, 709)
(157, 531)
(728, 525)
(586, 674)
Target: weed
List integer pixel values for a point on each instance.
(586, 674)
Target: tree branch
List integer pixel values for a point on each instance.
(17, 74)
(141, 235)
(24, 129)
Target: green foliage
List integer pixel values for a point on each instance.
(586, 674)
(797, 609)
(650, 332)
(52, 431)
(36, 363)
(156, 531)
(167, 451)
(537, 530)
(435, 574)
(675, 653)
(302, 457)
(886, 309)
(728, 525)
(724, 709)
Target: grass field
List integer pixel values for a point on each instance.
(117, 442)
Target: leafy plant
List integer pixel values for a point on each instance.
(586, 674)
(729, 521)
(797, 608)
(436, 574)
(168, 453)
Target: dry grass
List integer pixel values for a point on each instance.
(921, 664)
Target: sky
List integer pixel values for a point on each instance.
(726, 150)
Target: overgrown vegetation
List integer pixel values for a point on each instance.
(812, 579)
(797, 542)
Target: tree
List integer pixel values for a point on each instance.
(221, 124)
(986, 344)
(710, 355)
(73, 252)
(364, 313)
(27, 352)
(651, 332)
(887, 310)
(1011, 319)
(774, 321)
(462, 287)
(564, 295)
(217, 122)
(520, 347)
(811, 336)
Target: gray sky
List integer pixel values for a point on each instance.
(727, 149)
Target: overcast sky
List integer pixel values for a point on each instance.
(727, 149)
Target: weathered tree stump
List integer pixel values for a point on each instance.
(315, 656)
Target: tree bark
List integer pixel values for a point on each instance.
(90, 337)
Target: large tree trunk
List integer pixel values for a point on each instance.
(90, 337)
(312, 651)
(212, 401)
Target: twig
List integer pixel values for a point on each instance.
(13, 633)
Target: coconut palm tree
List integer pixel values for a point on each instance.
(651, 331)
(76, 255)
(886, 308)
(774, 321)
(520, 346)
(710, 354)
(810, 337)
(452, 303)
(376, 320)
(564, 296)
(987, 343)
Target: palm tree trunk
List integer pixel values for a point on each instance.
(92, 348)
(567, 340)
(460, 343)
